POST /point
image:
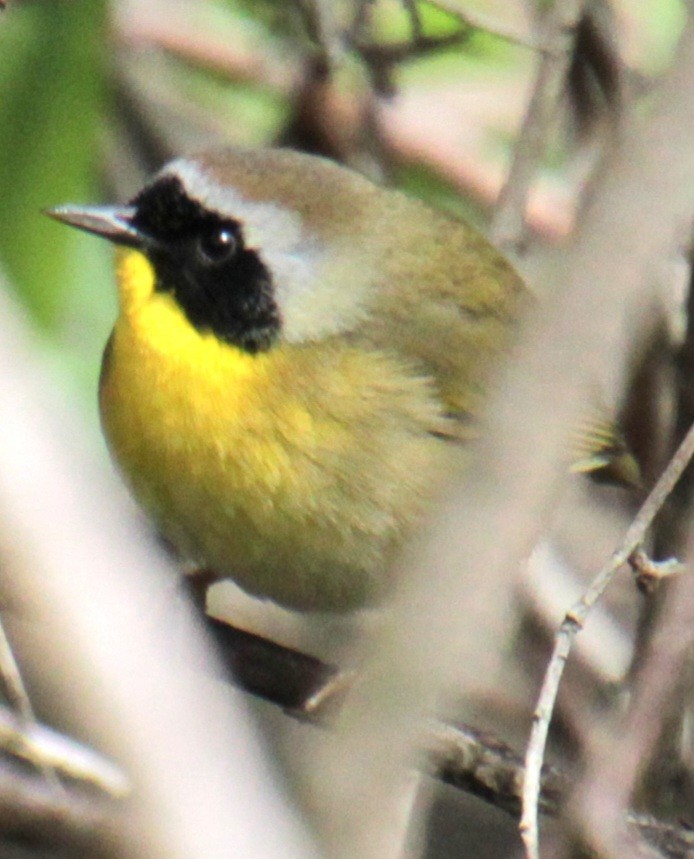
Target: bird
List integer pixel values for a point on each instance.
(298, 358)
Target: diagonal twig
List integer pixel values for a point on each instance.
(559, 24)
(476, 762)
(46, 749)
(573, 622)
(20, 701)
(487, 24)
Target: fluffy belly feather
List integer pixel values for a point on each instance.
(297, 472)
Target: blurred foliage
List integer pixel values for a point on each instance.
(83, 85)
(51, 92)
(51, 98)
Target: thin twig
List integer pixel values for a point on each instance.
(20, 701)
(12, 678)
(359, 26)
(47, 749)
(389, 54)
(560, 22)
(415, 19)
(319, 24)
(572, 624)
(476, 762)
(492, 27)
(481, 764)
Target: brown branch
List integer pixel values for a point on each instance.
(322, 30)
(472, 175)
(12, 679)
(479, 763)
(271, 671)
(559, 25)
(391, 53)
(474, 761)
(674, 525)
(415, 18)
(596, 78)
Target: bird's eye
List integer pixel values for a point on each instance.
(217, 245)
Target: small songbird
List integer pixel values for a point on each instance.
(297, 353)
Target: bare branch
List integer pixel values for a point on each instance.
(481, 764)
(271, 671)
(473, 19)
(559, 29)
(572, 624)
(19, 699)
(611, 779)
(390, 54)
(47, 749)
(464, 757)
(318, 20)
(12, 678)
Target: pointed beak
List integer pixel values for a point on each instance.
(114, 223)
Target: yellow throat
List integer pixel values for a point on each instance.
(276, 468)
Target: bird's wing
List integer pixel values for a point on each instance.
(448, 302)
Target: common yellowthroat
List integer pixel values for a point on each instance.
(296, 349)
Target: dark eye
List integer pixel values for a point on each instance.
(217, 245)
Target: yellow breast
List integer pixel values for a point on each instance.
(296, 471)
